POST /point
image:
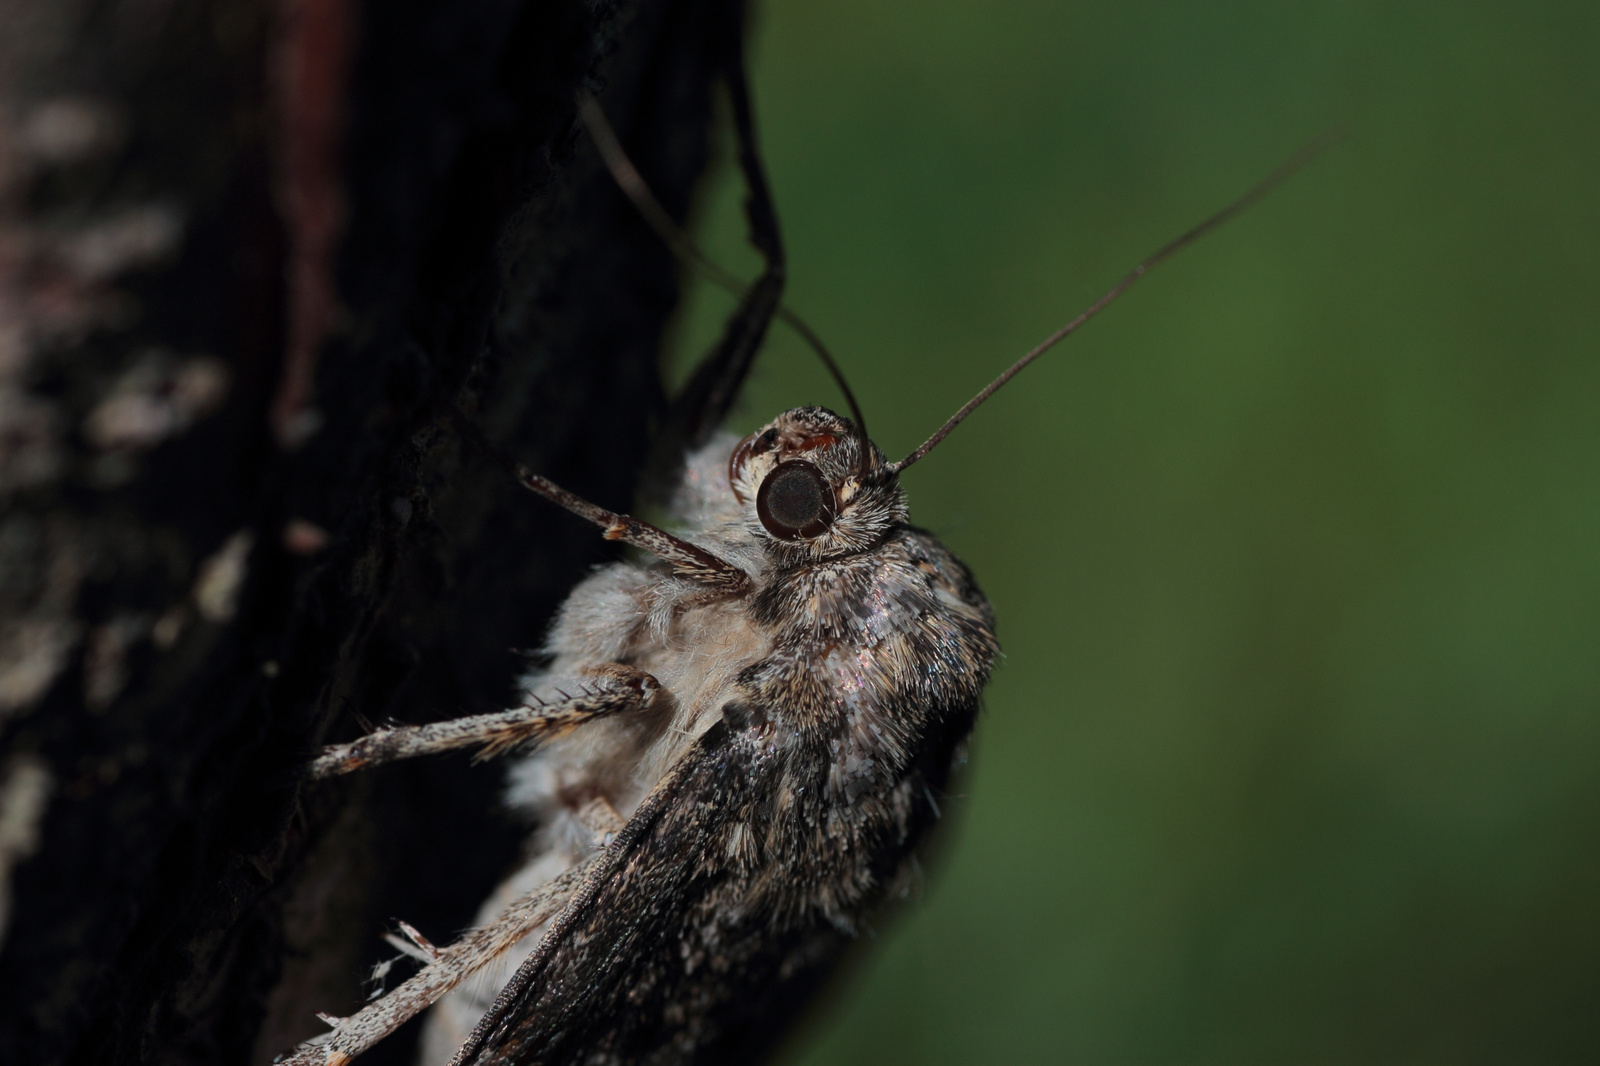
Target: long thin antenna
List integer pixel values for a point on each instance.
(633, 186)
(1284, 171)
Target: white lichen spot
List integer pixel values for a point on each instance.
(31, 451)
(32, 652)
(300, 428)
(216, 590)
(159, 395)
(68, 130)
(105, 668)
(136, 236)
(304, 537)
(25, 786)
(169, 627)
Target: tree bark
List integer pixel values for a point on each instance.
(251, 251)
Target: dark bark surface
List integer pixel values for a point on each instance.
(250, 252)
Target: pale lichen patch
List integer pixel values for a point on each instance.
(25, 786)
(65, 130)
(115, 244)
(169, 627)
(105, 666)
(32, 652)
(216, 590)
(159, 395)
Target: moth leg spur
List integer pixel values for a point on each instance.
(444, 969)
(619, 688)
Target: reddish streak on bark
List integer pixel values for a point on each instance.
(313, 62)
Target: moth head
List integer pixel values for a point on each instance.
(805, 486)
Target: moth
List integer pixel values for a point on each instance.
(739, 741)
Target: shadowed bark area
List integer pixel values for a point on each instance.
(249, 252)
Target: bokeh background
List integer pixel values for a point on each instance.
(1295, 751)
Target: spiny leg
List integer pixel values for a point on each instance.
(620, 689)
(445, 968)
(687, 560)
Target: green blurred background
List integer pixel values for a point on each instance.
(1295, 752)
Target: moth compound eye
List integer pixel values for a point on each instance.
(795, 502)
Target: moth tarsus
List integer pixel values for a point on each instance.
(492, 734)
(738, 744)
(443, 970)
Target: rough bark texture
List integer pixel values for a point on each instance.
(249, 251)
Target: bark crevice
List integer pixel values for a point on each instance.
(186, 606)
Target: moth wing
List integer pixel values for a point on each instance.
(650, 960)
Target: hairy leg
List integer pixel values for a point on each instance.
(446, 968)
(620, 689)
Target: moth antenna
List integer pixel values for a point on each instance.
(1282, 173)
(633, 186)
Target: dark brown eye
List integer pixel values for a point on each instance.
(795, 501)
